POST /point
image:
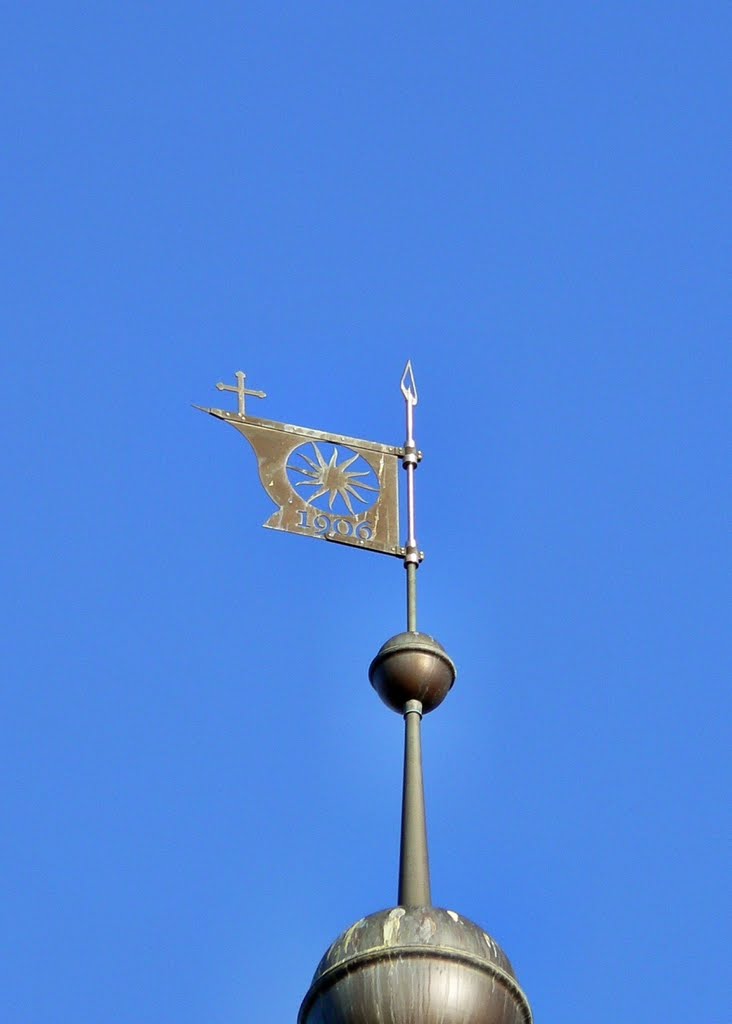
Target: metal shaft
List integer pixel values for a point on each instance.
(411, 597)
(411, 560)
(410, 463)
(414, 868)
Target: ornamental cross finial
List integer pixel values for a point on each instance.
(241, 390)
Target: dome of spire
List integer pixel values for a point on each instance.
(415, 965)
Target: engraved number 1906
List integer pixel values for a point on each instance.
(324, 525)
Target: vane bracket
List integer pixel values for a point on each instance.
(412, 555)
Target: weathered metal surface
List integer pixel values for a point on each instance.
(415, 965)
(326, 486)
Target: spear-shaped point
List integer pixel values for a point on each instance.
(409, 385)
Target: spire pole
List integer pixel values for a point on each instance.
(414, 865)
(410, 462)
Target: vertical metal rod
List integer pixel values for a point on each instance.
(410, 463)
(410, 467)
(411, 597)
(414, 868)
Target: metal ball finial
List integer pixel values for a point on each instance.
(412, 666)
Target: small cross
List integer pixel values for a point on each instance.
(241, 390)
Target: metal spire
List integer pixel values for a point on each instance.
(414, 867)
(414, 962)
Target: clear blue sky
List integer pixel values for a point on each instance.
(200, 790)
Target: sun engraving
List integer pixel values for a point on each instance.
(332, 478)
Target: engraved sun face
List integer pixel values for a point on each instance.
(332, 480)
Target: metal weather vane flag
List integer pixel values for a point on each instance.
(329, 486)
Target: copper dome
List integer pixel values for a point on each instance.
(415, 965)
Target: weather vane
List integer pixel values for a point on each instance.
(414, 963)
(332, 487)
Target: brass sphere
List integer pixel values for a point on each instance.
(412, 666)
(415, 965)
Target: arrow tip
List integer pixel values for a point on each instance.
(409, 385)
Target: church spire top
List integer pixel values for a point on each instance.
(415, 963)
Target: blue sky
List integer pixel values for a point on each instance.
(200, 789)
